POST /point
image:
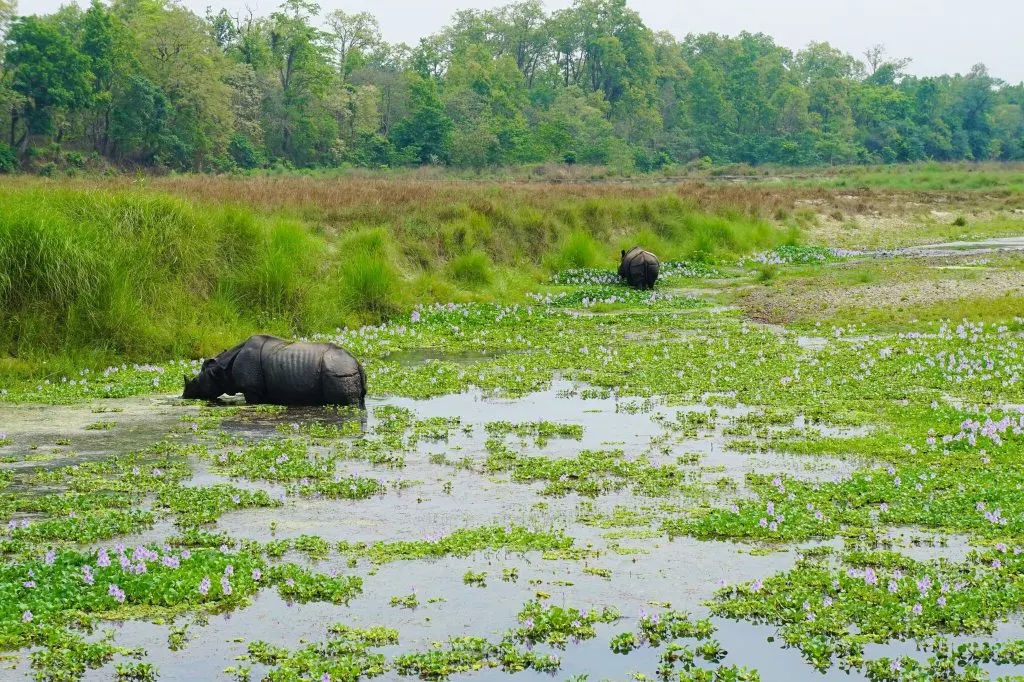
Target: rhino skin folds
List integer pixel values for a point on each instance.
(639, 268)
(267, 369)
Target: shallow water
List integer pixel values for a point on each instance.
(684, 572)
(57, 434)
(969, 247)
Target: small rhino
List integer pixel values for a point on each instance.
(266, 369)
(639, 268)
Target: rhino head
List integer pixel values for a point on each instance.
(207, 385)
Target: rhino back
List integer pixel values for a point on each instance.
(292, 372)
(641, 268)
(247, 367)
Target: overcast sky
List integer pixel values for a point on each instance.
(942, 36)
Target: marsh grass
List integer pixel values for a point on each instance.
(471, 269)
(93, 272)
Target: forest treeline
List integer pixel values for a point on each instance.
(148, 83)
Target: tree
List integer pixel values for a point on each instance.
(139, 126)
(975, 101)
(7, 10)
(883, 69)
(178, 54)
(150, 82)
(48, 73)
(425, 134)
(104, 43)
(305, 132)
(350, 34)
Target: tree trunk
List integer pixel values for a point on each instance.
(105, 143)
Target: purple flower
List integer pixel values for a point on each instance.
(102, 559)
(51, 556)
(30, 584)
(204, 586)
(892, 586)
(26, 617)
(186, 554)
(257, 574)
(869, 576)
(917, 609)
(116, 592)
(225, 586)
(229, 570)
(941, 601)
(326, 677)
(827, 601)
(757, 585)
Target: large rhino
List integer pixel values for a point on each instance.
(639, 268)
(266, 369)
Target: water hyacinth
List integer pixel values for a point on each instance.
(116, 592)
(887, 395)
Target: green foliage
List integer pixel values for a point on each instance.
(344, 657)
(158, 86)
(580, 250)
(141, 274)
(8, 158)
(462, 542)
(368, 283)
(471, 270)
(295, 583)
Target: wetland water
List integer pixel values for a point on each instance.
(829, 500)
(647, 572)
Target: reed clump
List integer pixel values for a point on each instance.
(146, 272)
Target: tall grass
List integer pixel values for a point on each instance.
(143, 274)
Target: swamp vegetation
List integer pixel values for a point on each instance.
(799, 455)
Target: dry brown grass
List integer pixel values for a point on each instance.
(385, 197)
